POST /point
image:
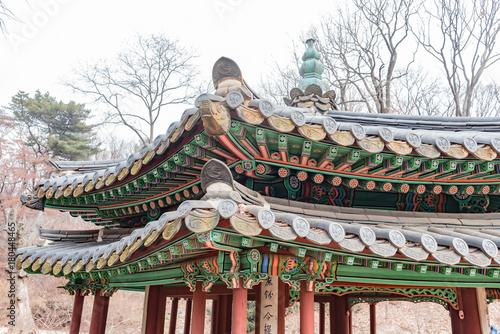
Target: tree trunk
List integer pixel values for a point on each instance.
(23, 322)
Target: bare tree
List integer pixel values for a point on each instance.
(485, 100)
(5, 13)
(461, 36)
(279, 82)
(417, 93)
(360, 49)
(153, 73)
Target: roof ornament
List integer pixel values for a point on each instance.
(32, 201)
(313, 92)
(216, 172)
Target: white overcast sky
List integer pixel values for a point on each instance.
(53, 36)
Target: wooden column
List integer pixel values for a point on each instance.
(187, 316)
(199, 304)
(222, 312)
(151, 300)
(456, 327)
(213, 324)
(104, 314)
(282, 304)
(173, 316)
(160, 312)
(76, 317)
(239, 321)
(229, 318)
(257, 308)
(321, 318)
(472, 322)
(340, 317)
(373, 318)
(99, 314)
(306, 309)
(332, 314)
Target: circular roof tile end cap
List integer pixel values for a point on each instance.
(397, 238)
(443, 144)
(358, 131)
(227, 208)
(413, 139)
(298, 118)
(301, 226)
(266, 218)
(386, 134)
(336, 231)
(184, 209)
(234, 99)
(329, 125)
(367, 236)
(470, 144)
(460, 246)
(490, 248)
(429, 243)
(495, 144)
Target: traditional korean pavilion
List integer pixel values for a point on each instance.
(243, 200)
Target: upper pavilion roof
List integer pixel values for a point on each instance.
(262, 141)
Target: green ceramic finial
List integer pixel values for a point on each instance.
(312, 68)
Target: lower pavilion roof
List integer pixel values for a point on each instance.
(251, 220)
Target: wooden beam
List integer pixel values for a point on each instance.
(306, 309)
(239, 321)
(76, 317)
(199, 305)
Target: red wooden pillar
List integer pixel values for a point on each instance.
(373, 318)
(104, 314)
(160, 312)
(282, 302)
(199, 304)
(99, 314)
(152, 297)
(229, 318)
(321, 318)
(339, 319)
(222, 311)
(76, 317)
(257, 308)
(173, 316)
(239, 321)
(332, 314)
(187, 317)
(471, 322)
(213, 329)
(306, 309)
